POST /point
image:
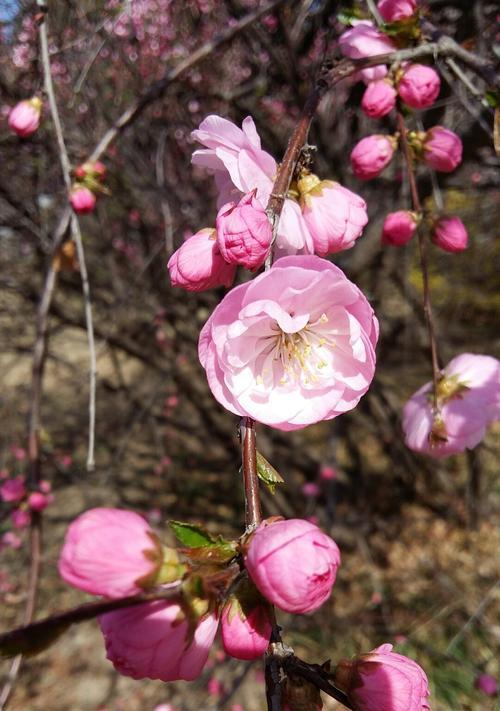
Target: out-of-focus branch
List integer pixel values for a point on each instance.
(422, 248)
(75, 227)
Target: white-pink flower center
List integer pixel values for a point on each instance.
(302, 355)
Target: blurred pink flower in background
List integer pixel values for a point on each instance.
(327, 473)
(24, 119)
(152, 641)
(310, 489)
(82, 199)
(37, 501)
(291, 347)
(271, 561)
(20, 518)
(10, 539)
(487, 684)
(469, 399)
(394, 10)
(215, 687)
(13, 489)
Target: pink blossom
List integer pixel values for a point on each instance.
(9, 538)
(291, 347)
(246, 628)
(13, 489)
(399, 228)
(45, 486)
(379, 98)
(334, 215)
(19, 453)
(110, 552)
(442, 149)
(487, 684)
(20, 518)
(24, 118)
(395, 10)
(310, 489)
(364, 40)
(198, 264)
(244, 232)
(327, 473)
(38, 501)
(469, 401)
(450, 234)
(383, 681)
(419, 86)
(371, 155)
(236, 151)
(215, 687)
(151, 641)
(271, 561)
(82, 199)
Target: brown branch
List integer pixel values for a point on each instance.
(422, 248)
(253, 515)
(315, 674)
(34, 637)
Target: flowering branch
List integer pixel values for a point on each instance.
(422, 248)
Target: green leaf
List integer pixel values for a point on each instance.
(192, 535)
(345, 17)
(268, 474)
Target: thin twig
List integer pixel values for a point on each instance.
(422, 248)
(374, 12)
(76, 233)
(253, 515)
(160, 181)
(317, 676)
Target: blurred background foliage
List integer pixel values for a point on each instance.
(419, 537)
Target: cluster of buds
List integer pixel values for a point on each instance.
(417, 85)
(89, 178)
(447, 232)
(23, 501)
(115, 553)
(24, 118)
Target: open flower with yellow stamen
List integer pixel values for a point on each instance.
(291, 347)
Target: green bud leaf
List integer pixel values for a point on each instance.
(268, 474)
(191, 535)
(204, 547)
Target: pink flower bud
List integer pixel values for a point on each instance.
(215, 687)
(383, 681)
(13, 489)
(38, 501)
(334, 215)
(310, 490)
(399, 228)
(20, 518)
(395, 10)
(487, 684)
(450, 234)
(82, 199)
(11, 539)
(419, 86)
(442, 149)
(24, 118)
(246, 624)
(370, 156)
(95, 169)
(379, 99)
(152, 641)
(244, 233)
(198, 264)
(468, 402)
(328, 473)
(110, 552)
(364, 40)
(271, 561)
(45, 486)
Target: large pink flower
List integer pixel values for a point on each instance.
(469, 401)
(151, 641)
(291, 347)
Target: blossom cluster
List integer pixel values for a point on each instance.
(115, 553)
(22, 501)
(318, 217)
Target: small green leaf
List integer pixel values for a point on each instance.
(345, 17)
(268, 474)
(192, 535)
